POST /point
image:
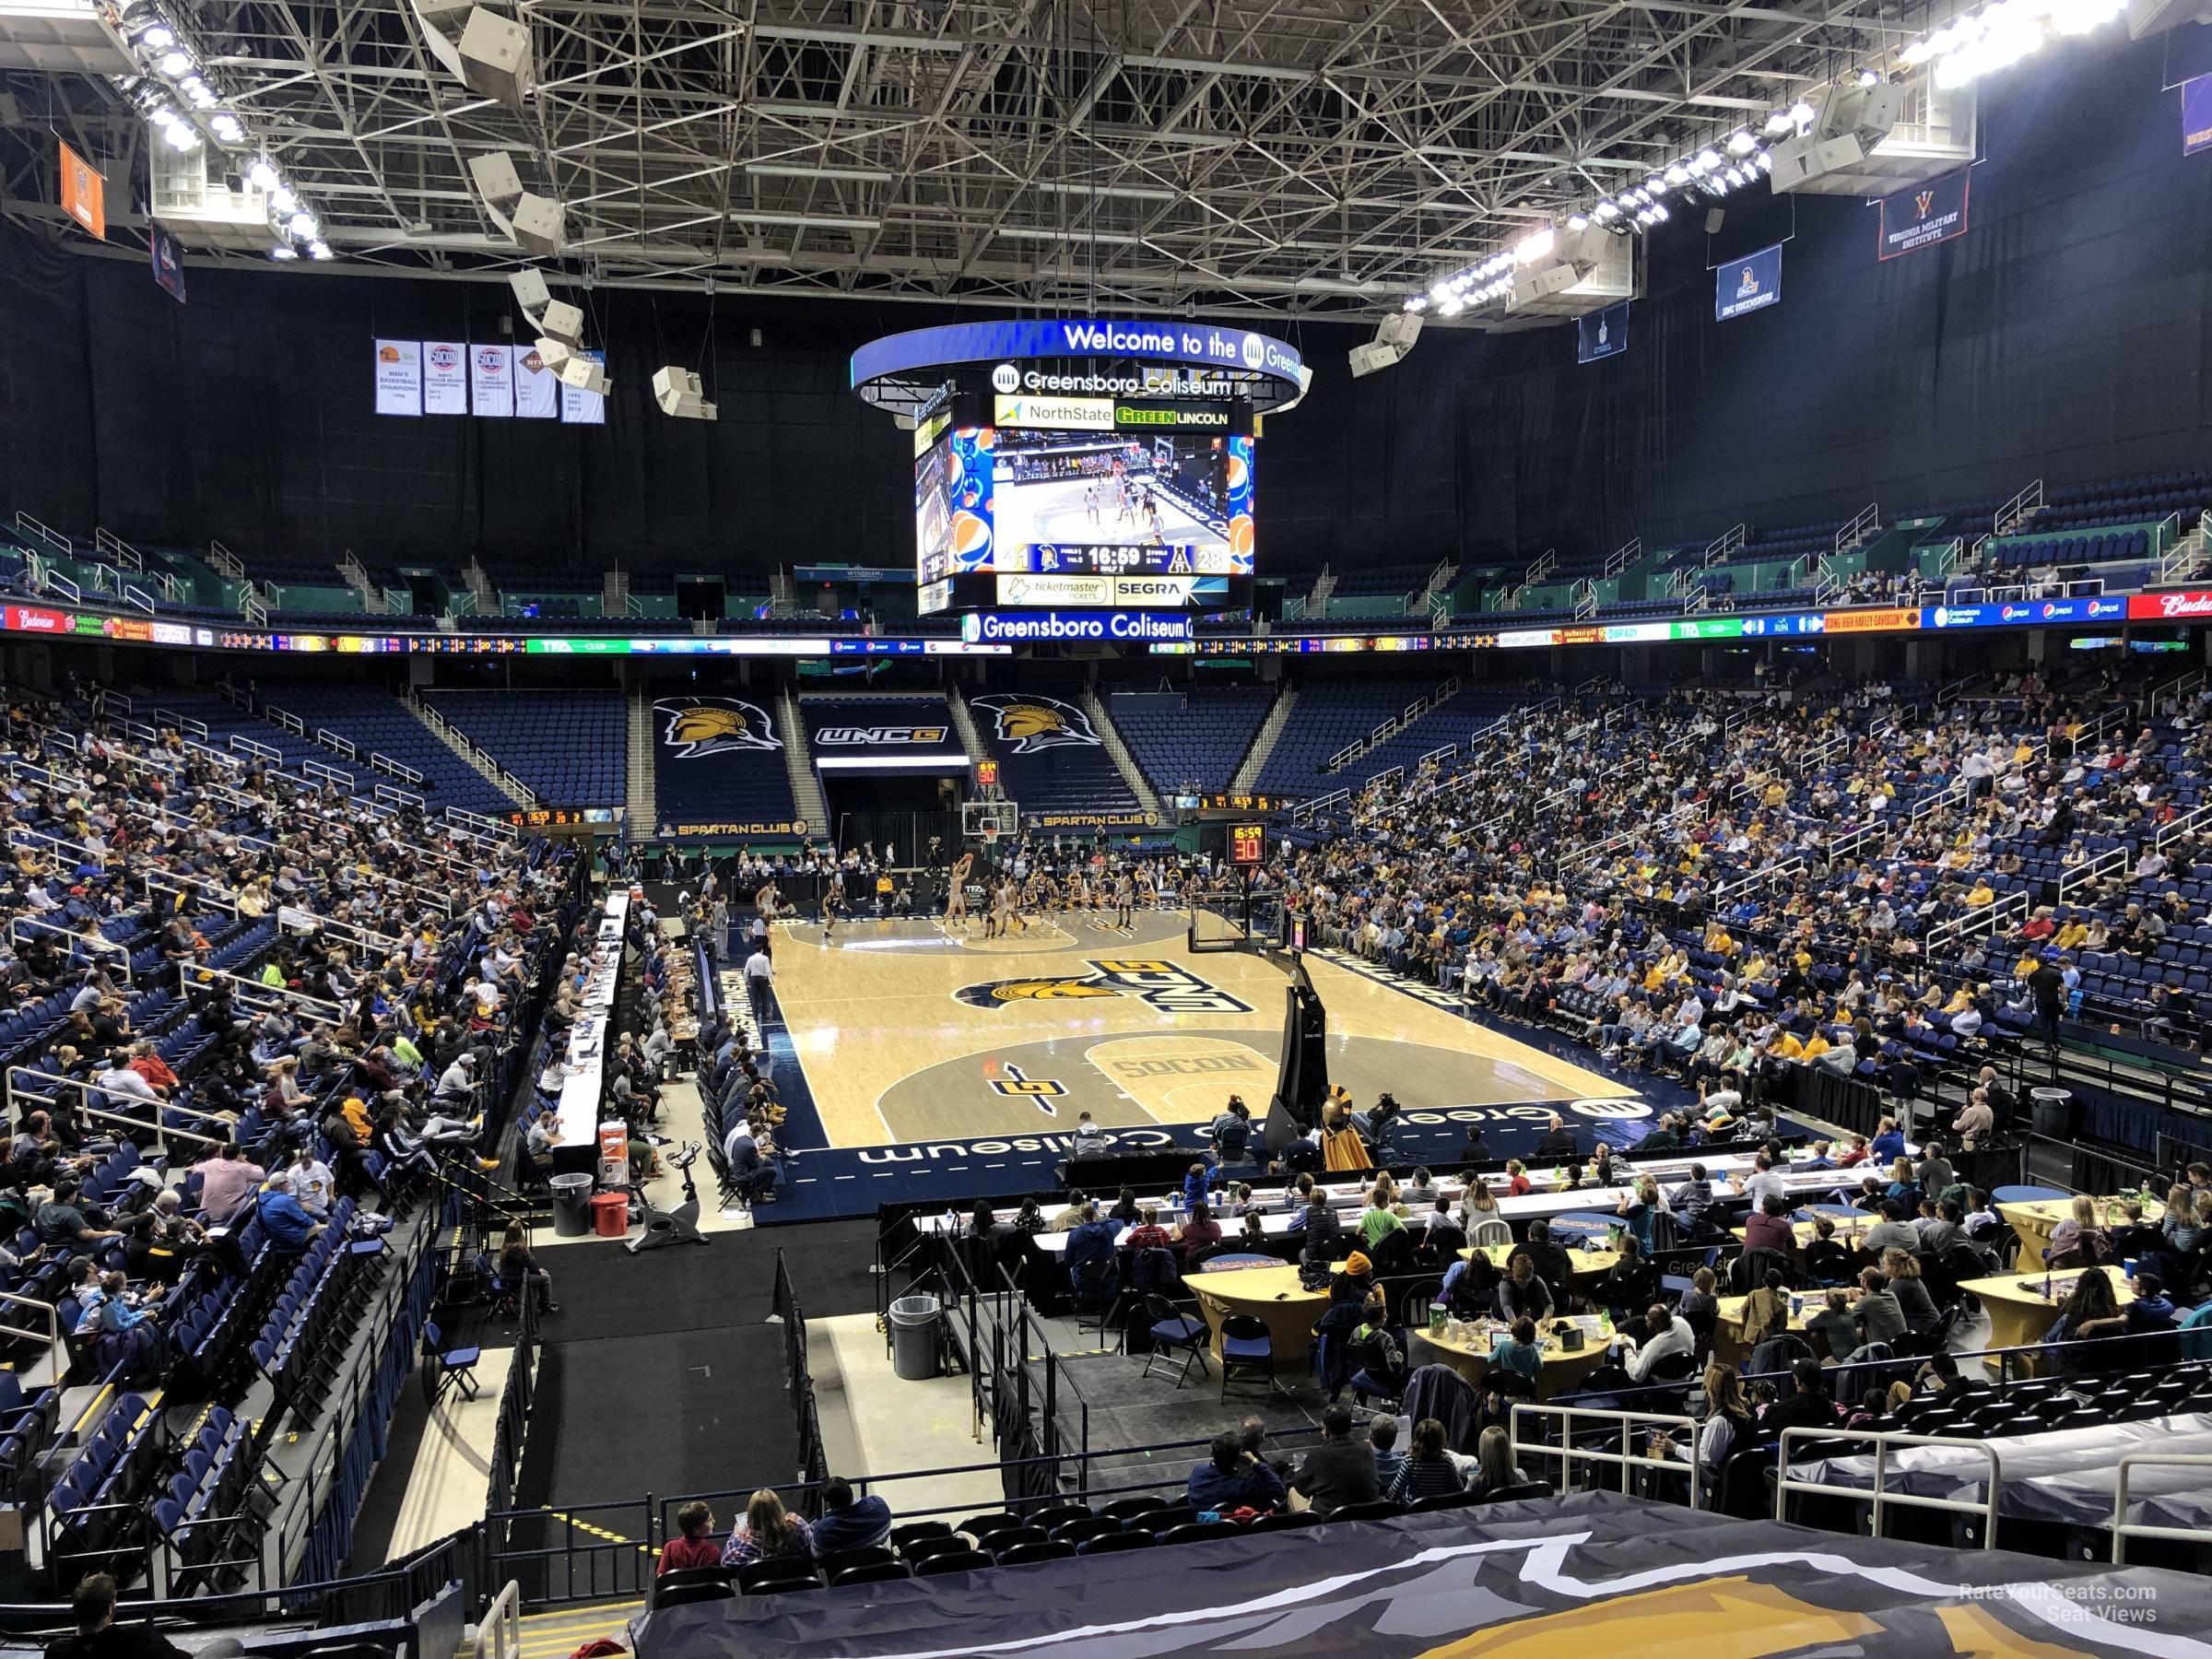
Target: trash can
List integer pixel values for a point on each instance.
(916, 1322)
(610, 1215)
(572, 1206)
(2051, 1112)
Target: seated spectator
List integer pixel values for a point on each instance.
(1519, 1351)
(1769, 1227)
(1339, 1470)
(60, 1221)
(1494, 1470)
(1382, 1441)
(849, 1522)
(1233, 1478)
(227, 1180)
(520, 1268)
(1876, 1310)
(1427, 1472)
(1833, 1324)
(694, 1545)
(290, 1229)
(1808, 1407)
(1902, 1272)
(769, 1533)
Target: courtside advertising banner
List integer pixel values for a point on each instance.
(491, 381)
(2196, 114)
(1924, 216)
(1602, 334)
(399, 377)
(444, 377)
(1742, 286)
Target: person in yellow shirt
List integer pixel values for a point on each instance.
(2030, 959)
(1789, 1048)
(2069, 936)
(1980, 895)
(1813, 1046)
(1776, 795)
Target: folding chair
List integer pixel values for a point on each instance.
(1171, 1329)
(446, 1368)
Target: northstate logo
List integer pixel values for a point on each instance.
(1168, 988)
(699, 726)
(1031, 723)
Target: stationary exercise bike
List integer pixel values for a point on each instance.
(679, 1226)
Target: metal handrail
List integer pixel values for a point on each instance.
(189, 972)
(160, 1131)
(2124, 1529)
(1569, 1453)
(1881, 1497)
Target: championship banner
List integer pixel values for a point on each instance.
(579, 407)
(399, 377)
(168, 261)
(84, 192)
(1746, 285)
(1924, 214)
(2196, 114)
(536, 387)
(444, 377)
(1602, 334)
(491, 381)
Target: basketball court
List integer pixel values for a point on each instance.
(908, 1033)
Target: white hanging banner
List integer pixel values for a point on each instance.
(491, 381)
(444, 377)
(579, 407)
(399, 377)
(536, 387)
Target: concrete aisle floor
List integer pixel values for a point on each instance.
(874, 1423)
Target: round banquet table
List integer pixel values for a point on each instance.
(2035, 1223)
(1469, 1354)
(2021, 1314)
(1271, 1294)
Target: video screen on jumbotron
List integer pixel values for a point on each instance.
(1106, 489)
(1011, 500)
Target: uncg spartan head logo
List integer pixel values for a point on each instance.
(1031, 723)
(1165, 986)
(699, 726)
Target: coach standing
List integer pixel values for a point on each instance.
(758, 975)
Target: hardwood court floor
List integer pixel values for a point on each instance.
(908, 1035)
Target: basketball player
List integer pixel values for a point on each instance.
(1124, 899)
(956, 901)
(834, 905)
(1003, 918)
(766, 900)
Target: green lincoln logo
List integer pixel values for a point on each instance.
(1125, 416)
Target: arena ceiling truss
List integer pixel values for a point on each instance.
(1305, 156)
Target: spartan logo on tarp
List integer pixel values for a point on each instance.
(1031, 723)
(1165, 986)
(700, 726)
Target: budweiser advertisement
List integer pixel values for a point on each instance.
(2183, 605)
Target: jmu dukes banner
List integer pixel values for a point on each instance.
(1924, 214)
(1749, 284)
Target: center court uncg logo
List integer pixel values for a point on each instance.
(1006, 379)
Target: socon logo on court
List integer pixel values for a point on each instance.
(1031, 723)
(1166, 986)
(699, 726)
